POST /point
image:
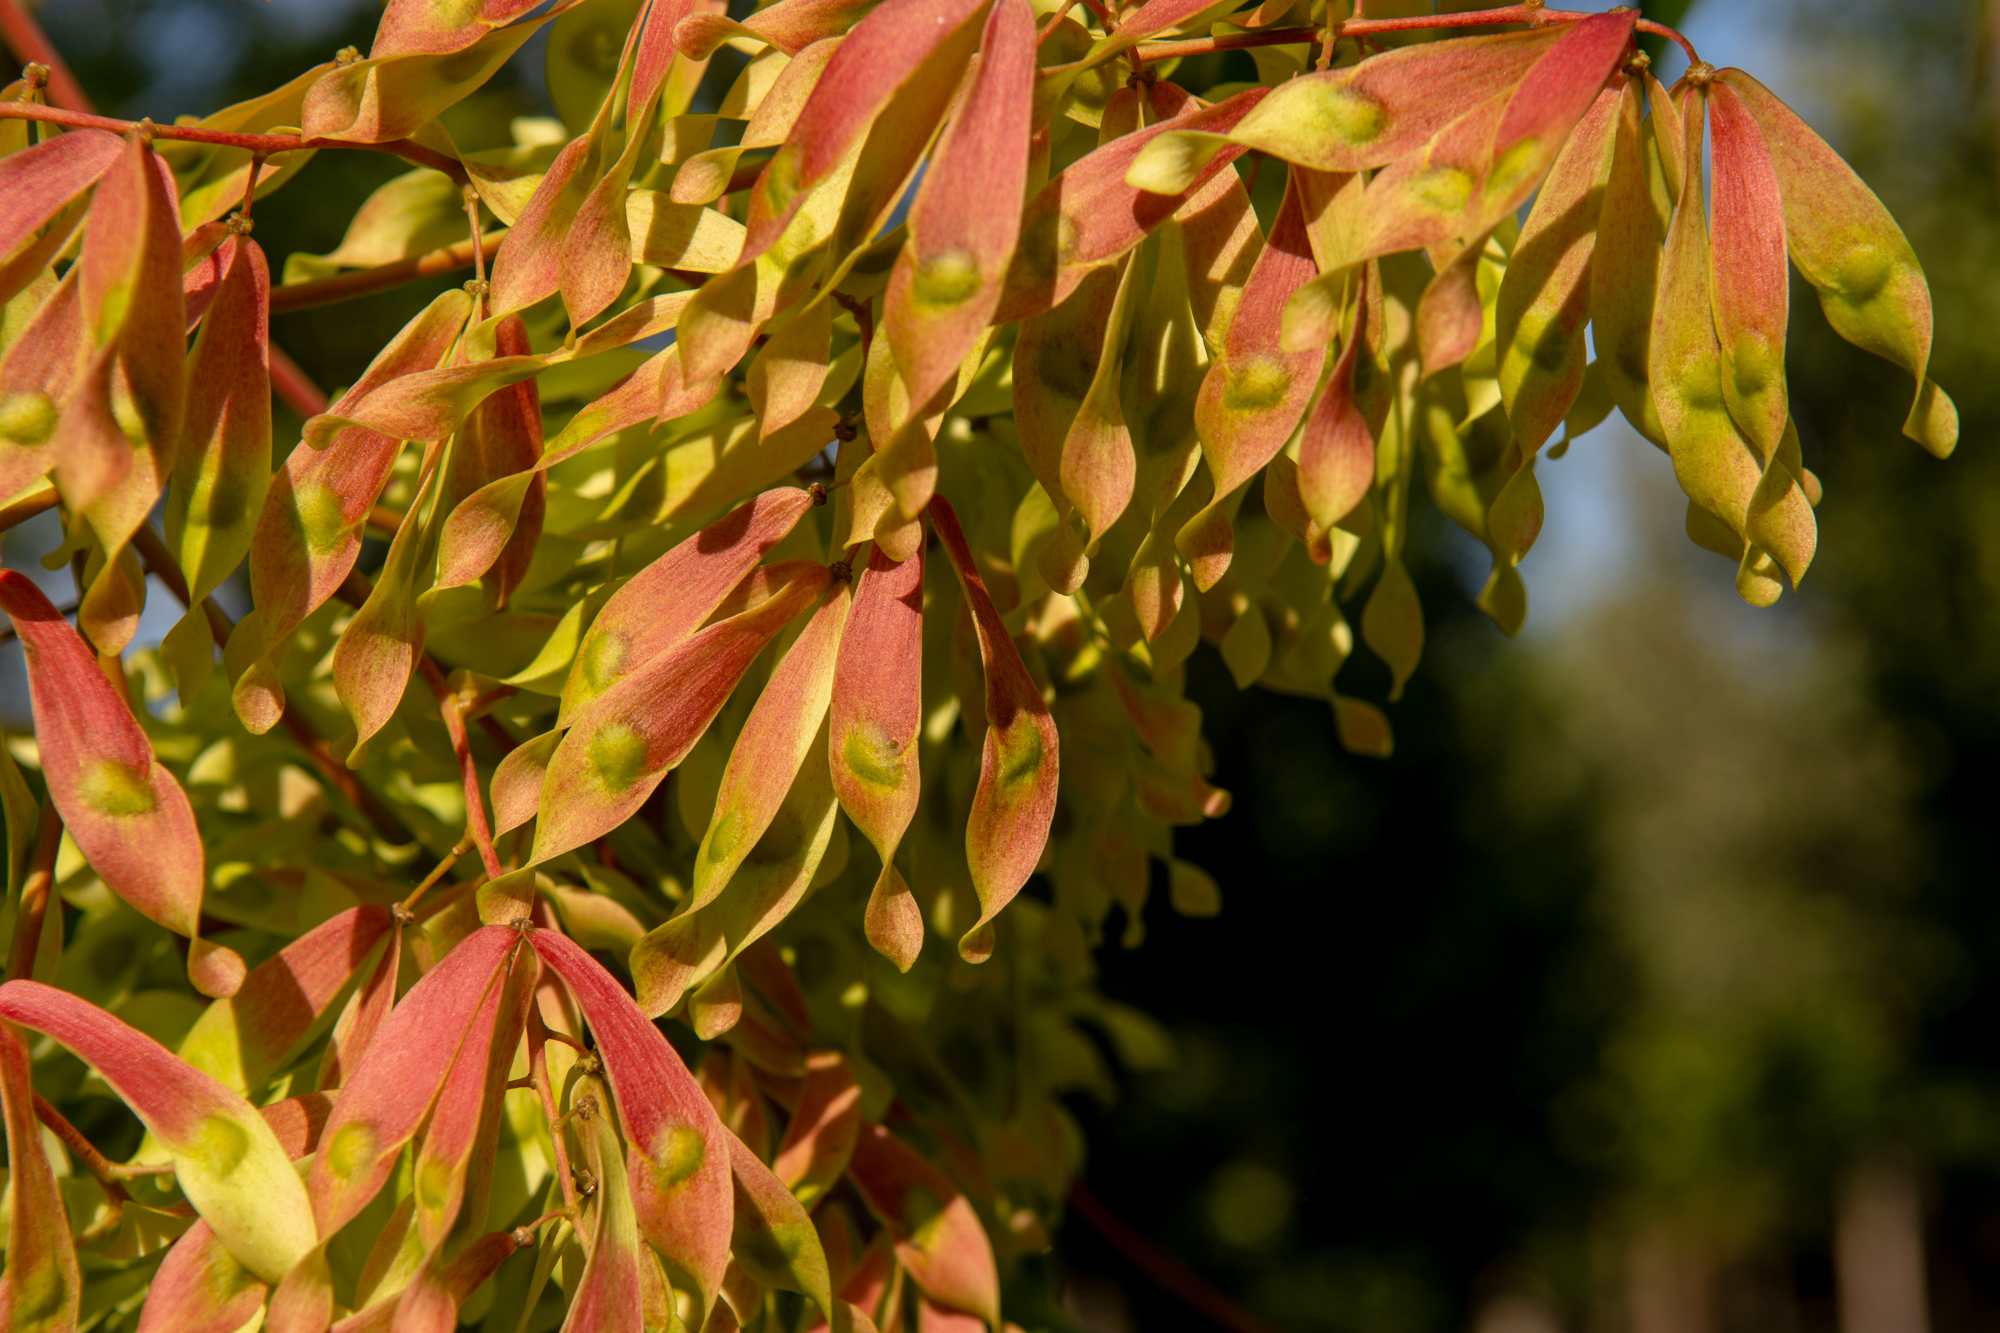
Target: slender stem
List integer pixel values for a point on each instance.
(479, 287)
(463, 846)
(451, 709)
(1160, 1266)
(263, 145)
(1103, 13)
(35, 891)
(538, 1069)
(1662, 30)
(1234, 41)
(1055, 19)
(368, 281)
(294, 385)
(1363, 27)
(25, 38)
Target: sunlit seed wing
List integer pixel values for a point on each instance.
(937, 1236)
(1254, 392)
(41, 1287)
(389, 97)
(608, 1294)
(679, 1167)
(501, 439)
(622, 745)
(967, 215)
(1718, 468)
(773, 1239)
(1089, 215)
(875, 716)
(361, 1019)
(453, 1177)
(1624, 272)
(664, 603)
(1846, 245)
(820, 1137)
(774, 742)
(1747, 271)
(37, 185)
(241, 1041)
(226, 1160)
(127, 814)
(1545, 296)
(1337, 447)
(376, 653)
(430, 1303)
(1362, 116)
(387, 1097)
(424, 26)
(476, 533)
(698, 948)
(223, 466)
(1015, 801)
(114, 446)
(790, 25)
(309, 531)
(200, 1288)
(874, 59)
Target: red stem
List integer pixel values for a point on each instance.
(368, 281)
(263, 145)
(1159, 1266)
(25, 38)
(295, 386)
(461, 745)
(1362, 27)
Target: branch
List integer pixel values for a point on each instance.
(295, 386)
(25, 38)
(261, 145)
(368, 281)
(1158, 1265)
(1533, 14)
(35, 891)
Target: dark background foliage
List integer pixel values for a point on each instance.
(1671, 909)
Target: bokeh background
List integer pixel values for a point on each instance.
(1654, 984)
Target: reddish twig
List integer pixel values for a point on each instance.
(368, 281)
(295, 386)
(35, 891)
(1233, 41)
(1363, 27)
(1156, 1264)
(262, 145)
(1054, 21)
(450, 707)
(25, 38)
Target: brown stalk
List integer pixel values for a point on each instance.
(296, 387)
(1532, 14)
(263, 145)
(35, 891)
(451, 708)
(1158, 1265)
(368, 281)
